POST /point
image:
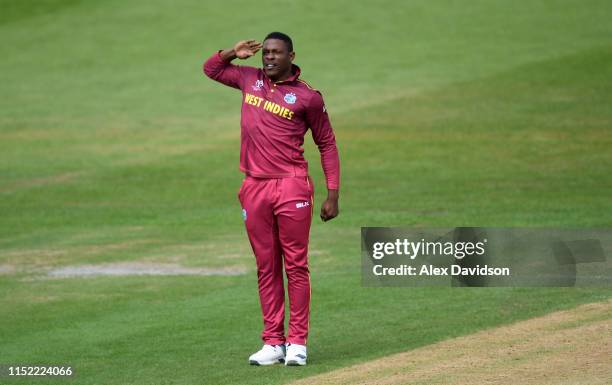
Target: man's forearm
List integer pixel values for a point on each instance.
(228, 55)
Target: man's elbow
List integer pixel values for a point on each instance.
(208, 71)
(327, 147)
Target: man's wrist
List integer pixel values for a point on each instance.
(332, 194)
(228, 55)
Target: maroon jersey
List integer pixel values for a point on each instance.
(275, 118)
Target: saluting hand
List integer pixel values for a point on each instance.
(246, 48)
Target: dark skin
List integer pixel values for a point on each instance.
(277, 64)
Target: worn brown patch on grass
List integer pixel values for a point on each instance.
(566, 347)
(41, 258)
(139, 268)
(42, 181)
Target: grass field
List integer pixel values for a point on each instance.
(114, 147)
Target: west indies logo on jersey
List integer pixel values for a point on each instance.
(290, 98)
(258, 85)
(269, 106)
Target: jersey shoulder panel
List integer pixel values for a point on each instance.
(314, 95)
(307, 85)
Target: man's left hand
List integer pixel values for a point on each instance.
(329, 209)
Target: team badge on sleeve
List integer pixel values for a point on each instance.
(290, 98)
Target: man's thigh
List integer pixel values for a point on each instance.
(294, 215)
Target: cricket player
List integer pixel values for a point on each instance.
(277, 194)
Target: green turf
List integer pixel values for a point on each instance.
(115, 147)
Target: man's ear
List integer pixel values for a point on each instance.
(291, 56)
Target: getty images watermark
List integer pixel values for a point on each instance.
(411, 250)
(470, 256)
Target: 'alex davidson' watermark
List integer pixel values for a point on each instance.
(485, 257)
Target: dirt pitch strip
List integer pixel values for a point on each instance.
(566, 347)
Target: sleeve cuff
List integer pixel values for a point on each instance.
(218, 56)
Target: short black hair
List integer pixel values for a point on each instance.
(283, 37)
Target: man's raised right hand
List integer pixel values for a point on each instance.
(246, 48)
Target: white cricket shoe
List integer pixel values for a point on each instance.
(268, 355)
(296, 355)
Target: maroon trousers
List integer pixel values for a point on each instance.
(277, 213)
